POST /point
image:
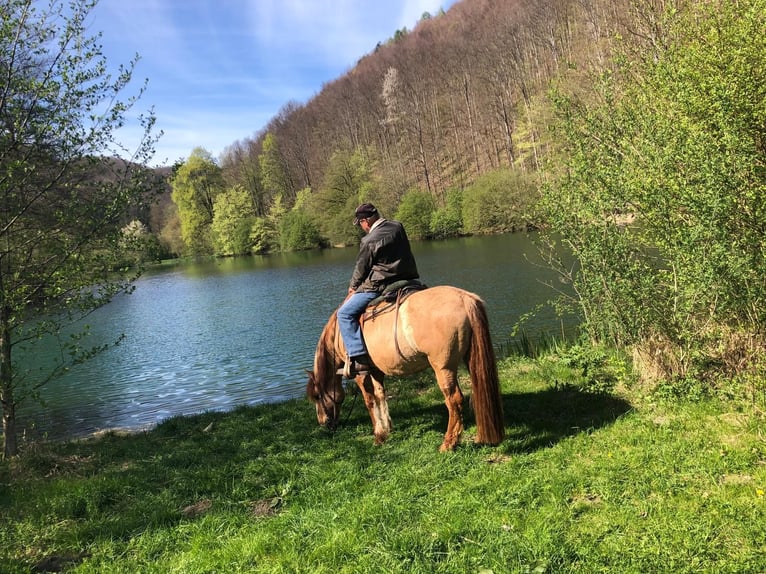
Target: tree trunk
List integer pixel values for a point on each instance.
(471, 129)
(10, 444)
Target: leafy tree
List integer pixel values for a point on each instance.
(497, 202)
(298, 231)
(196, 184)
(241, 167)
(274, 175)
(263, 237)
(139, 244)
(348, 182)
(447, 221)
(233, 219)
(265, 231)
(415, 212)
(61, 206)
(170, 232)
(676, 143)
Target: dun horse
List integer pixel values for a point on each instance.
(440, 327)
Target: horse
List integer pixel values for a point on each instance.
(439, 327)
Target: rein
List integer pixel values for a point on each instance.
(334, 363)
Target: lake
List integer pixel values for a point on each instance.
(241, 331)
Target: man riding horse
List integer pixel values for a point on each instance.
(385, 257)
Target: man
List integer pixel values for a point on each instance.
(384, 258)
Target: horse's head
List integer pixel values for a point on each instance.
(327, 394)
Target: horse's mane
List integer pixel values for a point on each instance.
(325, 358)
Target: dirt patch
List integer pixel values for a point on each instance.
(198, 508)
(265, 506)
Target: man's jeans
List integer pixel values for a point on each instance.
(348, 321)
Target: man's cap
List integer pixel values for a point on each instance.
(364, 211)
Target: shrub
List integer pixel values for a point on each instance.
(298, 232)
(497, 202)
(415, 212)
(673, 143)
(447, 221)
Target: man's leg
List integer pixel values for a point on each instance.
(348, 322)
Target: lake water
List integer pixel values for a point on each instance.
(242, 331)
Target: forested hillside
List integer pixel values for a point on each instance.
(447, 124)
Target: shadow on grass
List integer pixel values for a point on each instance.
(540, 419)
(533, 420)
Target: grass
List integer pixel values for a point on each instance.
(585, 482)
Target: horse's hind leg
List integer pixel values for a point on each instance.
(375, 400)
(453, 397)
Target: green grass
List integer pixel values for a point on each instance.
(584, 483)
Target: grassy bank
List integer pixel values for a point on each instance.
(584, 483)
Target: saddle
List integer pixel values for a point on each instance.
(394, 294)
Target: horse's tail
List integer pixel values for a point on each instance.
(487, 404)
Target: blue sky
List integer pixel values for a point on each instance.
(218, 71)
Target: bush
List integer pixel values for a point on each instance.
(298, 232)
(415, 212)
(672, 143)
(447, 221)
(497, 202)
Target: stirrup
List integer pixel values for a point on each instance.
(350, 373)
(346, 369)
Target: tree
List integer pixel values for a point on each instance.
(233, 219)
(139, 244)
(62, 205)
(196, 185)
(298, 231)
(241, 168)
(274, 175)
(677, 142)
(497, 202)
(447, 221)
(348, 182)
(415, 212)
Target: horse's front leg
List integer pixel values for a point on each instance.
(453, 397)
(375, 400)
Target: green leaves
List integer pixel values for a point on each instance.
(62, 204)
(196, 186)
(676, 145)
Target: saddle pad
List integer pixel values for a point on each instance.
(392, 292)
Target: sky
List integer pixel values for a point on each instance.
(219, 71)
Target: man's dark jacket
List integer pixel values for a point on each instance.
(384, 257)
